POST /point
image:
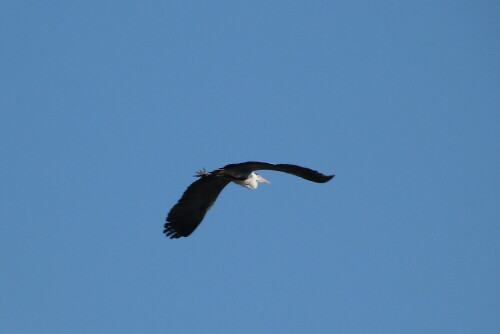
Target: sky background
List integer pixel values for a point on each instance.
(108, 108)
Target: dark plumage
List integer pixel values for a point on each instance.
(199, 197)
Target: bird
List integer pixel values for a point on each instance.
(187, 214)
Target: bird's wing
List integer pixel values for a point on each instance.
(299, 171)
(189, 211)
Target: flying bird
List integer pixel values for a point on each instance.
(199, 197)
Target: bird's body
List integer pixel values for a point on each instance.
(199, 197)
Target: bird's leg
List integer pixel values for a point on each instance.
(202, 173)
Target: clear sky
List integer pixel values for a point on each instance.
(109, 107)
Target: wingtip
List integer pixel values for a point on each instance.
(170, 232)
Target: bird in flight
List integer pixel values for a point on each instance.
(199, 197)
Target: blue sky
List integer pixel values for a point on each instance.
(108, 108)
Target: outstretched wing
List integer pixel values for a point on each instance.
(303, 172)
(189, 211)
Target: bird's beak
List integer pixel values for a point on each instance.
(261, 179)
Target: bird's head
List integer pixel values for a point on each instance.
(252, 182)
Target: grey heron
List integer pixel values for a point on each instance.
(199, 197)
